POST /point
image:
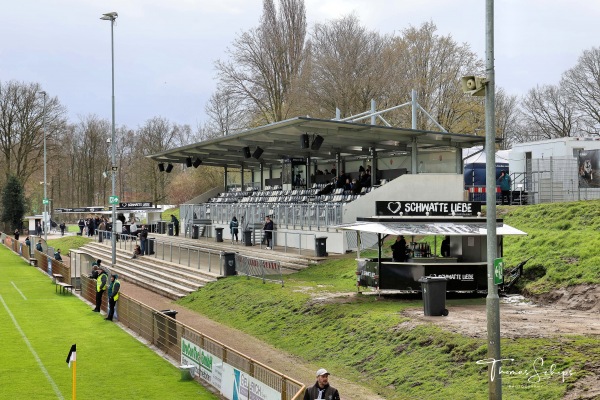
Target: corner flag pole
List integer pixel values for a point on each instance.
(72, 359)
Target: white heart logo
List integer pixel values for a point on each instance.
(395, 209)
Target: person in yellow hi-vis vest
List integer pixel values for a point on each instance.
(101, 284)
(113, 295)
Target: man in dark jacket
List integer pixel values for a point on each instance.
(113, 296)
(268, 230)
(321, 389)
(399, 249)
(175, 222)
(143, 239)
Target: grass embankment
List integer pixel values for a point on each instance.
(563, 240)
(38, 327)
(66, 243)
(366, 339)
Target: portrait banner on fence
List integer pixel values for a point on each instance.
(589, 164)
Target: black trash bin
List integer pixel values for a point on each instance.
(170, 327)
(195, 231)
(228, 263)
(321, 246)
(247, 238)
(160, 227)
(218, 234)
(150, 247)
(434, 295)
(100, 236)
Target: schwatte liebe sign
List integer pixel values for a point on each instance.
(427, 208)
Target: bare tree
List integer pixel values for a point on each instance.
(226, 114)
(507, 118)
(433, 65)
(156, 135)
(548, 113)
(21, 131)
(347, 67)
(265, 61)
(581, 85)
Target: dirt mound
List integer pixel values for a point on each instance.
(580, 297)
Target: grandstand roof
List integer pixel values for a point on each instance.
(281, 140)
(455, 226)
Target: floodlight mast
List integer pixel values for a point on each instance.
(112, 16)
(43, 93)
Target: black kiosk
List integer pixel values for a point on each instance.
(465, 264)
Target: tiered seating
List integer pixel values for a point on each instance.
(229, 197)
(274, 194)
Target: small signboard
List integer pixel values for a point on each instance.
(113, 200)
(427, 208)
(46, 201)
(498, 271)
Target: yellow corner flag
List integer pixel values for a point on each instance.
(72, 358)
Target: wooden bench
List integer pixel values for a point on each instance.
(64, 287)
(57, 278)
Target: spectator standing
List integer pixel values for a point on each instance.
(133, 228)
(28, 242)
(445, 250)
(57, 256)
(38, 228)
(91, 226)
(365, 179)
(81, 225)
(341, 180)
(113, 296)
(233, 228)
(16, 234)
(268, 231)
(101, 284)
(143, 239)
(356, 187)
(399, 249)
(62, 228)
(504, 181)
(321, 389)
(175, 222)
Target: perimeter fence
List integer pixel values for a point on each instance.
(200, 357)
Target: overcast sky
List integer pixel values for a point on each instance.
(165, 50)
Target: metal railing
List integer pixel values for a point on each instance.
(258, 268)
(166, 333)
(311, 216)
(173, 251)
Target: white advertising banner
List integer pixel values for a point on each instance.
(207, 366)
(237, 385)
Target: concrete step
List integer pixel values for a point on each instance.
(155, 279)
(152, 263)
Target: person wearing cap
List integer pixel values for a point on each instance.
(399, 249)
(101, 284)
(321, 389)
(57, 255)
(113, 295)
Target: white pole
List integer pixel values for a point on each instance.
(112, 16)
(45, 180)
